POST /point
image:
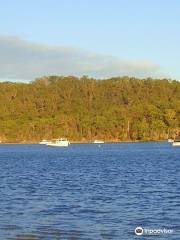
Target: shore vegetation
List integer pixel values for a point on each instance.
(84, 109)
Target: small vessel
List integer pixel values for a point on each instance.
(98, 141)
(44, 141)
(176, 142)
(170, 140)
(60, 142)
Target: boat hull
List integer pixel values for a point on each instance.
(98, 142)
(44, 143)
(58, 145)
(176, 144)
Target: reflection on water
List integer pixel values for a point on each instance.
(87, 192)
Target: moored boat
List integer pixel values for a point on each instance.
(60, 142)
(44, 141)
(170, 140)
(176, 142)
(98, 141)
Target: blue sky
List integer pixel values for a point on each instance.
(135, 37)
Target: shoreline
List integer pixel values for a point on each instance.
(86, 142)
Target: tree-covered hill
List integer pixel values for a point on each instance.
(85, 109)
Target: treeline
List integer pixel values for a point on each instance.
(84, 109)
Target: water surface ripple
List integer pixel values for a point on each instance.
(88, 192)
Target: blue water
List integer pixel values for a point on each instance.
(89, 192)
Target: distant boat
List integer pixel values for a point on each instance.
(170, 140)
(44, 141)
(176, 142)
(98, 141)
(60, 142)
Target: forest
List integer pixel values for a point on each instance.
(83, 109)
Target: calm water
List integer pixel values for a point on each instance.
(89, 192)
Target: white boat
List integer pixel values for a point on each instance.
(60, 142)
(170, 140)
(176, 142)
(98, 141)
(44, 141)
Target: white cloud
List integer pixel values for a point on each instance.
(20, 59)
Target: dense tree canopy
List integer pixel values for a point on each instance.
(84, 109)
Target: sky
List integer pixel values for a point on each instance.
(98, 38)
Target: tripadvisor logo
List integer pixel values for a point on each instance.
(152, 231)
(139, 231)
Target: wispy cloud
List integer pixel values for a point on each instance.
(20, 59)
